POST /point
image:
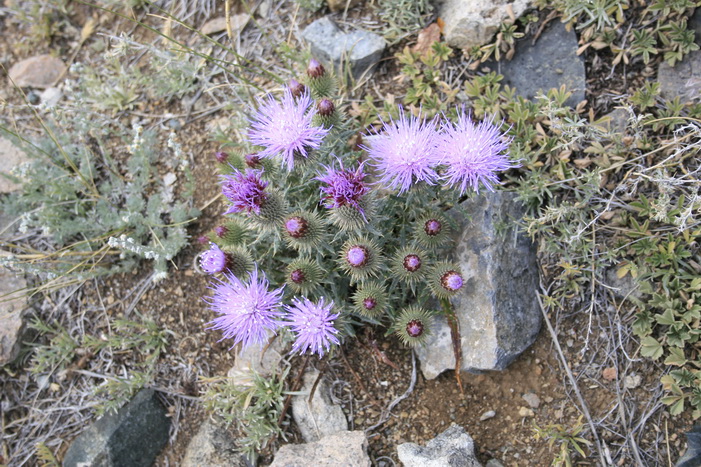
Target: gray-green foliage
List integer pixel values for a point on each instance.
(92, 192)
(403, 16)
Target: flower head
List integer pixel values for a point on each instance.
(473, 154)
(406, 152)
(285, 128)
(412, 326)
(214, 260)
(247, 310)
(370, 299)
(343, 187)
(245, 190)
(313, 323)
(445, 280)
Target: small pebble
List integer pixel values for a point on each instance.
(525, 412)
(487, 415)
(532, 399)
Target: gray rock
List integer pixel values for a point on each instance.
(332, 47)
(348, 448)
(452, 448)
(617, 120)
(320, 417)
(212, 446)
(216, 25)
(623, 287)
(498, 310)
(683, 80)
(13, 303)
(487, 415)
(469, 23)
(262, 359)
(549, 63)
(50, 97)
(532, 399)
(133, 436)
(41, 71)
(493, 463)
(10, 157)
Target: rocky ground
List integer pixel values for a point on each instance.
(570, 377)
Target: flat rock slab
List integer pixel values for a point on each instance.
(497, 310)
(212, 446)
(347, 449)
(470, 23)
(10, 157)
(13, 303)
(332, 46)
(262, 359)
(452, 448)
(216, 25)
(41, 71)
(549, 63)
(321, 416)
(683, 80)
(132, 437)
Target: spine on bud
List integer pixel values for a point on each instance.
(320, 83)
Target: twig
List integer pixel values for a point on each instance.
(573, 382)
(455, 338)
(385, 413)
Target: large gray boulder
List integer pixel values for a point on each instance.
(332, 47)
(346, 448)
(13, 303)
(549, 63)
(452, 448)
(321, 416)
(470, 23)
(497, 309)
(133, 436)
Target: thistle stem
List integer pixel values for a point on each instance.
(452, 318)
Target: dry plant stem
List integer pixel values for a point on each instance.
(386, 412)
(295, 387)
(573, 382)
(455, 337)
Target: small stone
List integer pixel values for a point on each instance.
(487, 415)
(10, 158)
(253, 359)
(682, 80)
(632, 381)
(12, 306)
(493, 463)
(321, 416)
(525, 412)
(532, 399)
(237, 22)
(41, 71)
(453, 447)
(332, 46)
(469, 23)
(50, 97)
(212, 445)
(609, 374)
(347, 448)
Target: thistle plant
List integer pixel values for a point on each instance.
(344, 234)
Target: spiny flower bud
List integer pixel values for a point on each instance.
(303, 276)
(304, 231)
(445, 280)
(296, 226)
(228, 234)
(222, 157)
(240, 261)
(252, 160)
(412, 326)
(325, 107)
(227, 162)
(272, 212)
(432, 231)
(202, 239)
(360, 259)
(409, 265)
(370, 300)
(296, 88)
(315, 69)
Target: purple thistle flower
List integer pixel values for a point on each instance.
(214, 260)
(406, 152)
(357, 256)
(285, 128)
(473, 153)
(248, 310)
(451, 281)
(313, 324)
(246, 191)
(344, 187)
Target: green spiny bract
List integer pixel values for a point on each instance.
(413, 325)
(370, 299)
(303, 276)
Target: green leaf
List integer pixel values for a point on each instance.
(667, 318)
(676, 357)
(651, 348)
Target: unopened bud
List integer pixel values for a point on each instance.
(325, 107)
(296, 88)
(315, 69)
